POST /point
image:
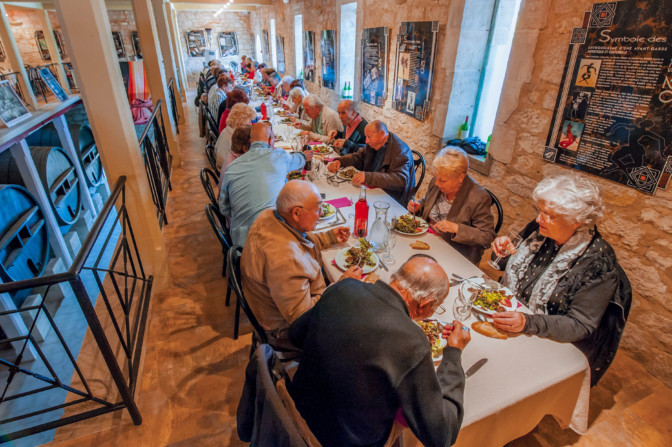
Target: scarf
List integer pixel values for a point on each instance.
(350, 128)
(519, 262)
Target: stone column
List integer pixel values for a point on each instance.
(14, 59)
(43, 15)
(86, 29)
(167, 51)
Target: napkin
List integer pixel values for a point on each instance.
(339, 203)
(430, 230)
(313, 143)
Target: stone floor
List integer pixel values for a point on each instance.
(193, 369)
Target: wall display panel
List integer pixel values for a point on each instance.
(613, 114)
(328, 53)
(136, 44)
(416, 52)
(309, 56)
(374, 65)
(60, 43)
(53, 84)
(265, 47)
(3, 55)
(119, 44)
(12, 109)
(228, 44)
(196, 43)
(42, 45)
(280, 49)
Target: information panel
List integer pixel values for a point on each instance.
(612, 115)
(309, 56)
(327, 48)
(374, 66)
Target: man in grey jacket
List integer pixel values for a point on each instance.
(322, 120)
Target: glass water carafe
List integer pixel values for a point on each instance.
(379, 232)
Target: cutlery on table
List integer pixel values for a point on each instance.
(382, 264)
(475, 367)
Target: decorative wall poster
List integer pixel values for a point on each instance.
(416, 51)
(135, 40)
(327, 47)
(309, 56)
(196, 43)
(265, 46)
(42, 45)
(228, 44)
(3, 56)
(119, 44)
(58, 37)
(374, 66)
(280, 49)
(12, 109)
(49, 79)
(613, 112)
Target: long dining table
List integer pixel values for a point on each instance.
(511, 384)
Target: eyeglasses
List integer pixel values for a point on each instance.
(316, 212)
(543, 215)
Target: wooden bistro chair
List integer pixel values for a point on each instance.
(418, 164)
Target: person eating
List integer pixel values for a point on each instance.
(566, 273)
(456, 206)
(352, 138)
(385, 162)
(241, 115)
(322, 120)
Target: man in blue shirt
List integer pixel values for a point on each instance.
(253, 181)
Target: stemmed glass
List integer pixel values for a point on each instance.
(515, 240)
(391, 240)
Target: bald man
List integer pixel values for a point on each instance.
(385, 162)
(352, 137)
(252, 182)
(282, 263)
(364, 360)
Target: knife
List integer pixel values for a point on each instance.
(382, 264)
(475, 367)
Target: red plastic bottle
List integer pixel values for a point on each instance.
(263, 111)
(231, 74)
(361, 214)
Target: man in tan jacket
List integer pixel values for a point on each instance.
(322, 120)
(281, 265)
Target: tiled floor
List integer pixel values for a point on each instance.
(193, 370)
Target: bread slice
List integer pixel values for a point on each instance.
(489, 330)
(419, 245)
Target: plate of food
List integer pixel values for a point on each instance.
(347, 173)
(488, 299)
(327, 211)
(432, 329)
(296, 175)
(361, 255)
(409, 225)
(321, 149)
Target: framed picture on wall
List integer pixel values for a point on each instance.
(42, 45)
(309, 56)
(196, 43)
(135, 40)
(328, 50)
(119, 44)
(3, 56)
(12, 109)
(49, 79)
(374, 66)
(58, 37)
(280, 49)
(228, 44)
(265, 46)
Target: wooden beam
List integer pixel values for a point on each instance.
(213, 7)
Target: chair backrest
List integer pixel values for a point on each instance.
(293, 412)
(500, 211)
(212, 159)
(234, 278)
(418, 163)
(212, 122)
(218, 226)
(210, 180)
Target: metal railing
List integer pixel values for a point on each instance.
(173, 104)
(36, 391)
(158, 161)
(36, 82)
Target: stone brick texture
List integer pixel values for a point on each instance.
(635, 224)
(238, 22)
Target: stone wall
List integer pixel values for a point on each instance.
(24, 23)
(238, 22)
(124, 22)
(637, 225)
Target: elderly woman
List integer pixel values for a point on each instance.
(282, 89)
(241, 115)
(240, 143)
(456, 206)
(232, 98)
(566, 273)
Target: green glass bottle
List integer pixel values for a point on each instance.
(463, 131)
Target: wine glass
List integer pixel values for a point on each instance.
(461, 306)
(515, 239)
(390, 243)
(360, 228)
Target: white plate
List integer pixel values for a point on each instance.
(338, 174)
(480, 281)
(330, 213)
(424, 227)
(317, 152)
(443, 340)
(340, 261)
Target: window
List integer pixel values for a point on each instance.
(298, 46)
(274, 54)
(257, 49)
(348, 33)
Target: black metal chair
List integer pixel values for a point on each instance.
(500, 211)
(218, 224)
(212, 159)
(209, 181)
(212, 126)
(233, 261)
(418, 163)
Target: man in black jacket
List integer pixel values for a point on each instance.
(352, 137)
(385, 162)
(364, 359)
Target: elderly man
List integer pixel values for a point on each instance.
(282, 266)
(386, 162)
(322, 120)
(217, 94)
(364, 360)
(252, 182)
(296, 96)
(352, 138)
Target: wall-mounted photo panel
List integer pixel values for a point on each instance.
(309, 56)
(265, 46)
(328, 50)
(135, 40)
(60, 43)
(42, 45)
(280, 49)
(228, 44)
(196, 43)
(53, 85)
(119, 44)
(374, 65)
(12, 109)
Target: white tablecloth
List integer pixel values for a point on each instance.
(523, 378)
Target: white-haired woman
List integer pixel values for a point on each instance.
(456, 206)
(282, 89)
(566, 273)
(241, 115)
